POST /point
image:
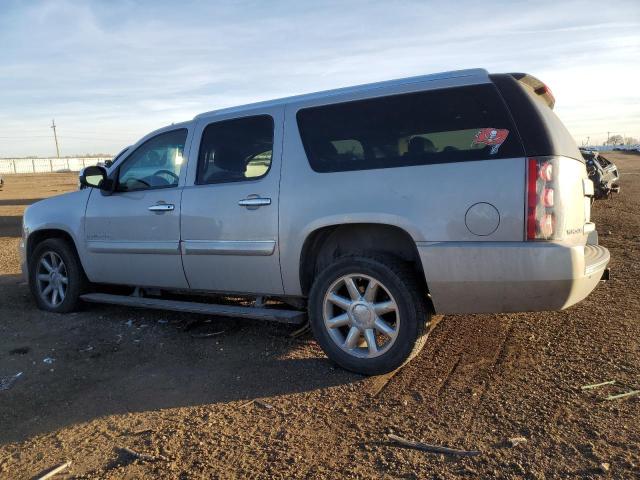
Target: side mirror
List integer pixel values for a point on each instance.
(95, 176)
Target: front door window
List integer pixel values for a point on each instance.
(154, 164)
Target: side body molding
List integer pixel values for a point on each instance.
(101, 246)
(228, 247)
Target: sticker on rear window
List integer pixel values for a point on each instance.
(494, 137)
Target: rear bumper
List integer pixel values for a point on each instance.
(476, 277)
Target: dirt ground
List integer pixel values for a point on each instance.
(138, 379)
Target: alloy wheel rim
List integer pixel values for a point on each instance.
(361, 316)
(52, 279)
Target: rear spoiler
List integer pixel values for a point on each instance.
(543, 92)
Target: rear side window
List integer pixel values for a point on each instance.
(449, 125)
(235, 150)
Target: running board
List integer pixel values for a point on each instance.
(295, 317)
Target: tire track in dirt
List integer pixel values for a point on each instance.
(452, 376)
(447, 378)
(492, 372)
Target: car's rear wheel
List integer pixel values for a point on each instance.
(368, 314)
(56, 278)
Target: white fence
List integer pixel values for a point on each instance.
(46, 165)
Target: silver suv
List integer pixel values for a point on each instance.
(368, 207)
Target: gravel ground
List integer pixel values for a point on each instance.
(139, 379)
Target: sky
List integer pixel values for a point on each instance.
(111, 71)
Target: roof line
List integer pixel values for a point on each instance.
(479, 72)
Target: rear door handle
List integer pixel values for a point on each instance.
(254, 202)
(162, 207)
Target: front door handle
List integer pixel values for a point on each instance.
(162, 207)
(254, 202)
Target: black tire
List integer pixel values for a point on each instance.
(77, 281)
(400, 280)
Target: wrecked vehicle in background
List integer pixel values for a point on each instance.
(602, 172)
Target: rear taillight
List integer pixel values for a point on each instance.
(546, 171)
(540, 204)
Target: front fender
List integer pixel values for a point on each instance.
(63, 212)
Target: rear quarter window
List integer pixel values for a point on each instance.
(438, 126)
(541, 130)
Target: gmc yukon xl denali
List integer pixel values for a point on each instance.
(367, 208)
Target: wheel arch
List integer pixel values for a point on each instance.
(326, 243)
(38, 236)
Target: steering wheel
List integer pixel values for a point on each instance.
(168, 172)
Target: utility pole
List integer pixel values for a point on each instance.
(55, 137)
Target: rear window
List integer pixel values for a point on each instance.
(439, 126)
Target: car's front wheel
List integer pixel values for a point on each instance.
(56, 278)
(368, 314)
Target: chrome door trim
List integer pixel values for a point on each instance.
(102, 246)
(228, 247)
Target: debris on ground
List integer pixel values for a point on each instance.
(55, 471)
(7, 382)
(48, 360)
(605, 467)
(623, 395)
(515, 441)
(597, 385)
(263, 404)
(425, 447)
(260, 403)
(143, 456)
